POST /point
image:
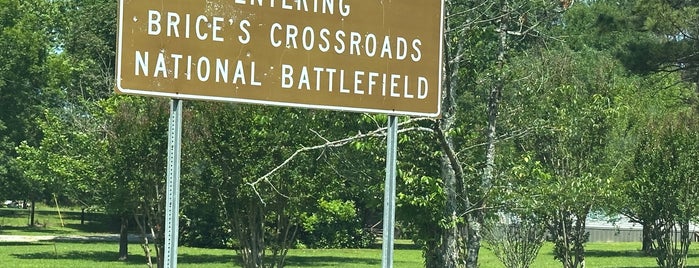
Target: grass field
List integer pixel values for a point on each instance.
(16, 221)
(103, 254)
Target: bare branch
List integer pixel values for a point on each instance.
(379, 132)
(450, 152)
(504, 137)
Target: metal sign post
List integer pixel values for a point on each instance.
(172, 183)
(389, 204)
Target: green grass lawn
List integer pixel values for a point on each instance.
(618, 255)
(16, 221)
(103, 254)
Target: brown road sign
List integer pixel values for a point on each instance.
(351, 55)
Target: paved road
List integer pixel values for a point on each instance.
(40, 238)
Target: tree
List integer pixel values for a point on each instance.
(577, 107)
(240, 148)
(134, 182)
(25, 30)
(495, 31)
(40, 74)
(515, 239)
(88, 36)
(655, 39)
(464, 138)
(672, 42)
(664, 163)
(247, 211)
(65, 162)
(662, 192)
(662, 94)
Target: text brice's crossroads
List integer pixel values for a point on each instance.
(330, 54)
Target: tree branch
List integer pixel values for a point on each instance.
(380, 132)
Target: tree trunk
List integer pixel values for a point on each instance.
(568, 230)
(31, 215)
(251, 234)
(473, 244)
(476, 219)
(145, 229)
(124, 239)
(457, 200)
(159, 255)
(433, 258)
(580, 238)
(450, 234)
(647, 247)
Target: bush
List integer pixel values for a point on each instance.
(334, 225)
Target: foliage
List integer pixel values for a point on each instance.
(72, 221)
(671, 44)
(334, 225)
(88, 37)
(64, 161)
(234, 146)
(515, 241)
(661, 95)
(131, 163)
(25, 30)
(546, 82)
(662, 169)
(475, 71)
(572, 113)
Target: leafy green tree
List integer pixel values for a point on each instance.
(654, 39)
(25, 28)
(576, 106)
(661, 94)
(480, 38)
(654, 185)
(663, 166)
(421, 192)
(671, 43)
(134, 180)
(88, 36)
(63, 162)
(229, 150)
(255, 156)
(518, 233)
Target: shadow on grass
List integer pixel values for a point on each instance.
(324, 261)
(626, 253)
(94, 256)
(398, 246)
(13, 213)
(95, 227)
(630, 254)
(614, 253)
(94, 221)
(16, 244)
(36, 230)
(296, 261)
(111, 256)
(88, 227)
(653, 266)
(205, 258)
